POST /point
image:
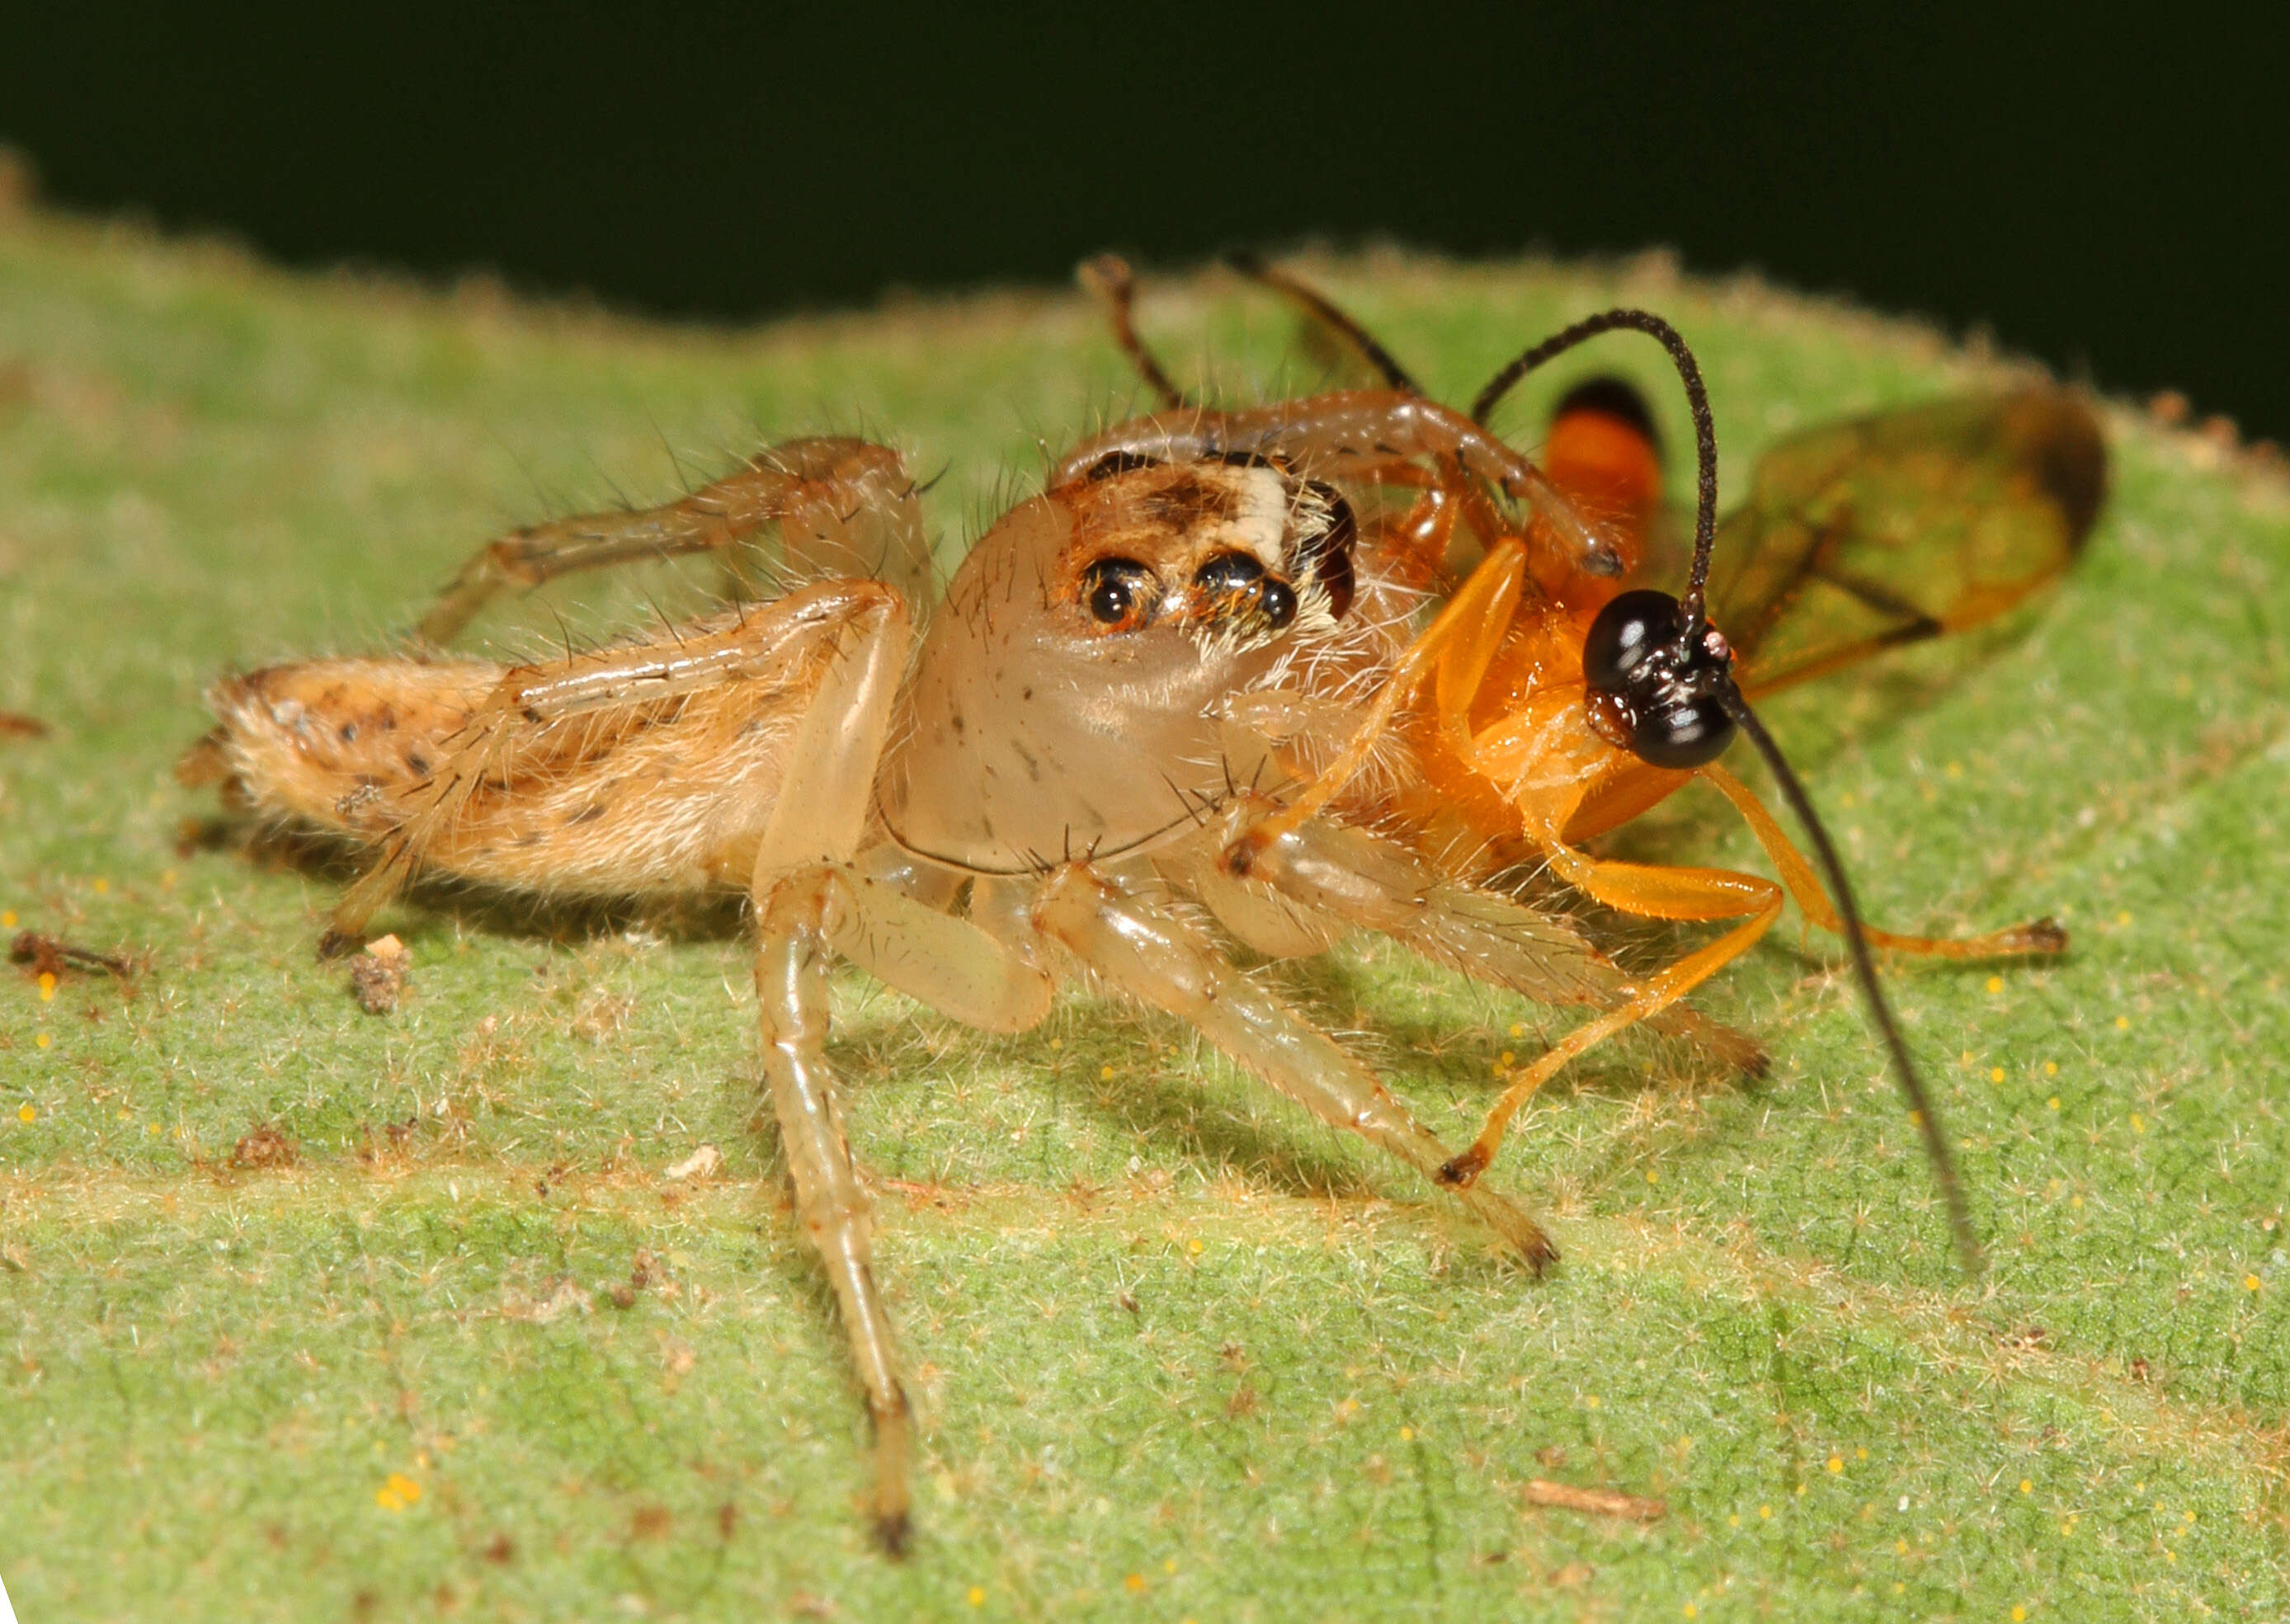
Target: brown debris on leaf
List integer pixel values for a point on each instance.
(1598, 1502)
(377, 975)
(16, 725)
(52, 955)
(264, 1147)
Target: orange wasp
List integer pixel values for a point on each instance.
(1554, 697)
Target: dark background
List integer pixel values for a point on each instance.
(2110, 200)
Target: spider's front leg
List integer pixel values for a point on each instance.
(1152, 956)
(846, 507)
(810, 900)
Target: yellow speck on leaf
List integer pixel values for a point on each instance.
(166, 879)
(1764, 1511)
(1733, 1519)
(1835, 1463)
(7, 919)
(1168, 1564)
(398, 1492)
(1194, 1247)
(2138, 1123)
(1996, 983)
(25, 1113)
(2188, 1517)
(1861, 1453)
(1590, 1401)
(1653, 1176)
(2251, 1282)
(1691, 1612)
(1516, 1030)
(1899, 1548)
(47, 986)
(2050, 1068)
(2052, 1104)
(1134, 1584)
(1995, 1074)
(1507, 1057)
(2123, 1023)
(102, 887)
(2123, 918)
(2027, 1486)
(2019, 1615)
(1105, 1073)
(1406, 1436)
(977, 1595)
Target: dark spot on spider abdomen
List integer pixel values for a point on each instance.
(587, 814)
(417, 764)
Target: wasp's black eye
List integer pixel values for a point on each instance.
(1628, 629)
(1652, 693)
(1118, 592)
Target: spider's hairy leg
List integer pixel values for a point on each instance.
(1371, 883)
(816, 827)
(1148, 954)
(577, 774)
(845, 507)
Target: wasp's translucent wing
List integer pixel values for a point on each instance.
(1860, 536)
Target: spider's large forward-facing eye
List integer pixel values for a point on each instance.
(1118, 593)
(1237, 576)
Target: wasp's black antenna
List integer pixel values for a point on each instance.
(1864, 966)
(1697, 401)
(1329, 315)
(1662, 668)
(1108, 277)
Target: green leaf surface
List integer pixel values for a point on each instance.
(1181, 1353)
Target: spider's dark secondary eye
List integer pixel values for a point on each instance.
(1118, 462)
(1331, 551)
(1237, 576)
(1229, 572)
(1118, 592)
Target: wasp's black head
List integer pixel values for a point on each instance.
(1654, 692)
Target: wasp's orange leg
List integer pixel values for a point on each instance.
(845, 507)
(2040, 936)
(1686, 895)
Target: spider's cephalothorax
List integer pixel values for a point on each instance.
(1653, 688)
